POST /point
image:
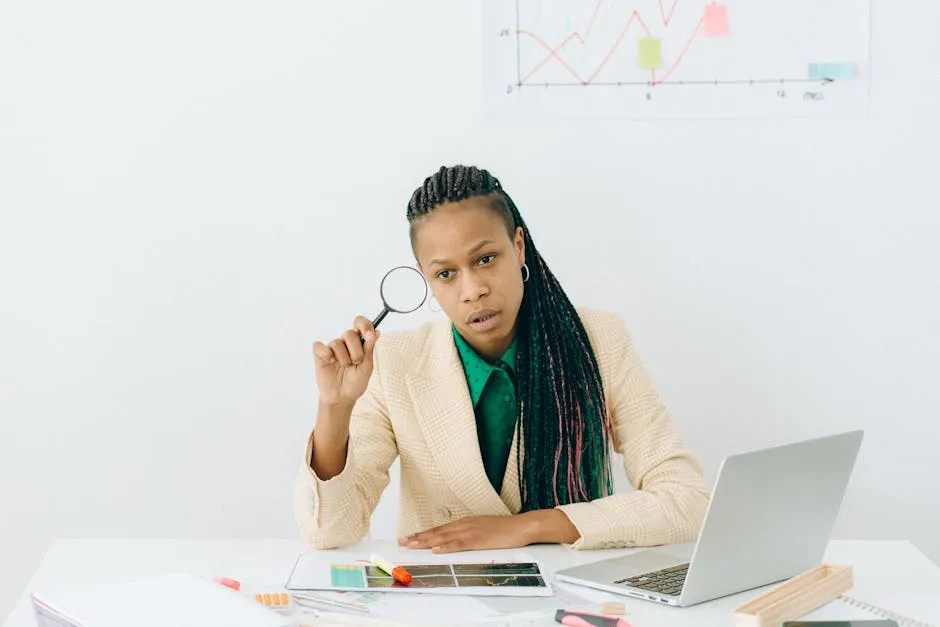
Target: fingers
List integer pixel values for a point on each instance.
(363, 325)
(352, 347)
(323, 353)
(447, 542)
(418, 540)
(437, 536)
(467, 534)
(451, 547)
(368, 335)
(338, 346)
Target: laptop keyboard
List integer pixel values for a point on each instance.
(666, 581)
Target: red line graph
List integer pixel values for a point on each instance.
(635, 17)
(597, 9)
(662, 11)
(675, 64)
(553, 52)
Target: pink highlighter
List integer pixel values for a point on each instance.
(586, 619)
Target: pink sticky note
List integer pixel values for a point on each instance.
(716, 20)
(229, 583)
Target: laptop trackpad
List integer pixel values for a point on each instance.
(615, 569)
(646, 561)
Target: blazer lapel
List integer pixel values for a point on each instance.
(445, 414)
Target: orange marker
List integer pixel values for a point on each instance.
(398, 573)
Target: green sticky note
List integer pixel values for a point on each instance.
(651, 53)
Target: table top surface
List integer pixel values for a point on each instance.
(888, 573)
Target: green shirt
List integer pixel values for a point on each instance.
(493, 394)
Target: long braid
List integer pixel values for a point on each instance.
(563, 416)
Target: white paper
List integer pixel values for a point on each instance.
(564, 597)
(590, 59)
(181, 600)
(900, 606)
(430, 610)
(312, 572)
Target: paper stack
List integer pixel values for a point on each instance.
(176, 600)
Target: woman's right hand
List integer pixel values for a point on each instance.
(344, 365)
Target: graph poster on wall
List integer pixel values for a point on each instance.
(675, 58)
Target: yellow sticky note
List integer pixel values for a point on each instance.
(651, 53)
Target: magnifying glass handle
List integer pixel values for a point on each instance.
(375, 323)
(379, 318)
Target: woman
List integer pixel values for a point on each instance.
(503, 414)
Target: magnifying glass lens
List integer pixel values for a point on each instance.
(404, 290)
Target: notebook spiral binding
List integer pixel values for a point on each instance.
(883, 613)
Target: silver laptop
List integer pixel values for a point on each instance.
(770, 517)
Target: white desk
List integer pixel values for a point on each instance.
(891, 573)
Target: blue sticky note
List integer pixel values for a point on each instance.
(347, 576)
(832, 70)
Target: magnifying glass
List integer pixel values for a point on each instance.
(403, 290)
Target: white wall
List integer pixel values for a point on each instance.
(191, 192)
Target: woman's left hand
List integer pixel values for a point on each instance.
(471, 533)
(475, 533)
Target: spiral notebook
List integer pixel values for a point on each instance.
(907, 610)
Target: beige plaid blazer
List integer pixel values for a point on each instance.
(418, 407)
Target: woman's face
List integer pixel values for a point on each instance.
(474, 269)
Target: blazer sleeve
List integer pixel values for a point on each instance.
(670, 497)
(336, 512)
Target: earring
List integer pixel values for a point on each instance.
(432, 307)
(525, 273)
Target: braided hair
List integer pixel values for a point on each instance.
(563, 426)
